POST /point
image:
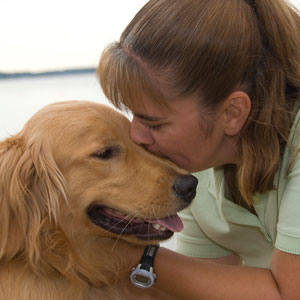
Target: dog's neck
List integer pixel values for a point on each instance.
(88, 261)
(87, 276)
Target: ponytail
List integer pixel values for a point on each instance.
(275, 87)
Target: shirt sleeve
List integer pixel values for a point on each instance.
(192, 241)
(288, 227)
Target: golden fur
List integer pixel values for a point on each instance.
(49, 175)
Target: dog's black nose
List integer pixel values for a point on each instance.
(185, 188)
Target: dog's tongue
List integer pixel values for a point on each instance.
(172, 223)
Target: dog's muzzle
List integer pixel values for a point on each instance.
(184, 188)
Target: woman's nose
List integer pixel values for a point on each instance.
(139, 133)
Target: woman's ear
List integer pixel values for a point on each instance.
(235, 112)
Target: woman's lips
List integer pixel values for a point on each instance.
(155, 152)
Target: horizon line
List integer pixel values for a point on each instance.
(47, 70)
(5, 75)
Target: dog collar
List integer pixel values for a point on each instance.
(143, 275)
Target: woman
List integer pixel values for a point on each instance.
(213, 85)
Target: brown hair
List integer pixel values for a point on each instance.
(208, 49)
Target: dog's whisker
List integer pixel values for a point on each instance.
(119, 236)
(154, 213)
(142, 225)
(148, 237)
(121, 220)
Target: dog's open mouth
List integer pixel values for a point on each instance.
(145, 229)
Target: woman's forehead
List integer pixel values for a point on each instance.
(149, 107)
(151, 110)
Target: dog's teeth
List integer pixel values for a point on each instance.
(162, 228)
(159, 227)
(156, 226)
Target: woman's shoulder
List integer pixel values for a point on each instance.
(294, 136)
(204, 177)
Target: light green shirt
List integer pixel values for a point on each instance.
(215, 227)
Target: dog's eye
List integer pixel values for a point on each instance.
(106, 153)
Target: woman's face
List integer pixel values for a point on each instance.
(181, 135)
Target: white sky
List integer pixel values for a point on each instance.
(38, 35)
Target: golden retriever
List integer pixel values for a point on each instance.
(72, 185)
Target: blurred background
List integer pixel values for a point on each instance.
(38, 36)
(49, 51)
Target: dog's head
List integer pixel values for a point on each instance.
(73, 176)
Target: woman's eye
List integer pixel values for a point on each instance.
(153, 127)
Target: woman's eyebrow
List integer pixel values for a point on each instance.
(148, 118)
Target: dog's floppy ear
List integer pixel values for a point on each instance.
(30, 186)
